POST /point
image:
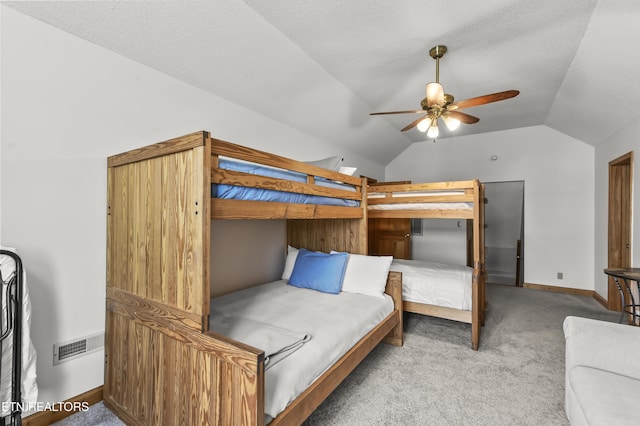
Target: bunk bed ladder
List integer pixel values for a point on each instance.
(11, 328)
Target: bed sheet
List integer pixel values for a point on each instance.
(258, 194)
(333, 322)
(435, 283)
(29, 386)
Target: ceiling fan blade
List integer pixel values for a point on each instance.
(463, 117)
(414, 123)
(486, 99)
(411, 111)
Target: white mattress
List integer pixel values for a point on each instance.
(29, 386)
(333, 324)
(435, 283)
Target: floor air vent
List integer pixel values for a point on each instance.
(66, 351)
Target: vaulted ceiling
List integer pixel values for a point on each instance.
(323, 66)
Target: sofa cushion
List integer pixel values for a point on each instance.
(604, 345)
(604, 398)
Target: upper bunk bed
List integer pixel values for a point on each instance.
(444, 200)
(449, 200)
(163, 364)
(247, 183)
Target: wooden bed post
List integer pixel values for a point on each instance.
(478, 265)
(483, 253)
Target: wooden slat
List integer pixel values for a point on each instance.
(426, 214)
(173, 384)
(231, 177)
(425, 199)
(203, 209)
(154, 228)
(478, 277)
(239, 209)
(167, 284)
(394, 289)
(164, 314)
(438, 311)
(176, 240)
(160, 149)
(228, 149)
(423, 187)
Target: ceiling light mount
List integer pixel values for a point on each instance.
(437, 52)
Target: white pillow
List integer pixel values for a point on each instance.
(292, 255)
(366, 274)
(330, 163)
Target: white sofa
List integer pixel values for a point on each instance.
(602, 372)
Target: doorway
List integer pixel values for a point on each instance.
(619, 233)
(504, 232)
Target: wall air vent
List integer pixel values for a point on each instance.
(66, 351)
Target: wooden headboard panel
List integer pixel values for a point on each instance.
(348, 235)
(158, 227)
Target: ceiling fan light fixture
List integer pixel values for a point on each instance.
(435, 94)
(424, 125)
(451, 123)
(433, 132)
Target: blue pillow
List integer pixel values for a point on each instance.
(319, 271)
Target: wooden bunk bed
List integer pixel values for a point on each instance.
(162, 365)
(448, 200)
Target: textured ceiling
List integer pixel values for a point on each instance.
(323, 66)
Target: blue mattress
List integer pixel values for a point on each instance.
(256, 194)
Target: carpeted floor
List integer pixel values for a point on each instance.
(516, 378)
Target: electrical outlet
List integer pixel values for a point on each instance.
(559, 275)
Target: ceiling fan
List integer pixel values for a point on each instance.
(438, 104)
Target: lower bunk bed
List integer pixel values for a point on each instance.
(455, 292)
(314, 342)
(437, 289)
(303, 332)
